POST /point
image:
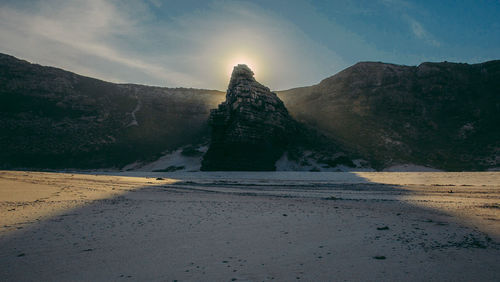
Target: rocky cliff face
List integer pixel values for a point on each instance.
(51, 118)
(251, 129)
(442, 115)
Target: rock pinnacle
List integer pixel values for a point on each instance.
(251, 129)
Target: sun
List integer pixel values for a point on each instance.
(228, 60)
(248, 60)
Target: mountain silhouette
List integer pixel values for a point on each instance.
(441, 115)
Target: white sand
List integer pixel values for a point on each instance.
(250, 226)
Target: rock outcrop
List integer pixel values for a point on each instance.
(251, 129)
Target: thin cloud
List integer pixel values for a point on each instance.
(406, 8)
(85, 27)
(419, 31)
(123, 41)
(286, 57)
(130, 41)
(156, 3)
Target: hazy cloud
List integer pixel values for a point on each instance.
(420, 32)
(123, 41)
(284, 55)
(193, 43)
(156, 3)
(405, 8)
(57, 32)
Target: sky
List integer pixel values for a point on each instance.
(287, 43)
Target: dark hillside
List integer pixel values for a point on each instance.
(444, 115)
(51, 118)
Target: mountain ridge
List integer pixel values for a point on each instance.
(441, 115)
(432, 114)
(51, 118)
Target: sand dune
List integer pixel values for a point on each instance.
(249, 226)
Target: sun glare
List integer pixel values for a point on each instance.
(242, 59)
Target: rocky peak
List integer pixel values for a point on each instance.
(244, 89)
(241, 73)
(250, 130)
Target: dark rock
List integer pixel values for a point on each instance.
(442, 115)
(251, 129)
(52, 118)
(171, 168)
(332, 198)
(341, 160)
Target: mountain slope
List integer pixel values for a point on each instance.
(51, 118)
(444, 115)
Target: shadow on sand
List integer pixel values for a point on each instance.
(237, 226)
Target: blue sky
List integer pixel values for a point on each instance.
(288, 43)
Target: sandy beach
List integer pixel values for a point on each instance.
(283, 226)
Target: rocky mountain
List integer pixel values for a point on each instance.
(251, 129)
(51, 118)
(442, 115)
